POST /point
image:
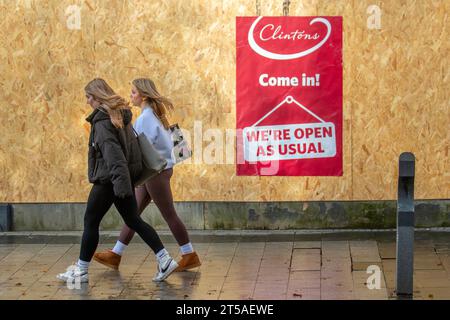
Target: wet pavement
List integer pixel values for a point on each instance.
(267, 265)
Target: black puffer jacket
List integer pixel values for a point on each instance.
(114, 153)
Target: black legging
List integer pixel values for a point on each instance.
(100, 200)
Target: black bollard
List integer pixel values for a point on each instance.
(405, 225)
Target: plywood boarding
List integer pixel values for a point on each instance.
(395, 94)
(44, 68)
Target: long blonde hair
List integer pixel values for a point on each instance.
(160, 105)
(109, 100)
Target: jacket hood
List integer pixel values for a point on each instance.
(100, 114)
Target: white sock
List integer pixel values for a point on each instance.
(119, 248)
(161, 254)
(83, 264)
(186, 248)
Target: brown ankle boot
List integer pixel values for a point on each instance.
(188, 261)
(108, 258)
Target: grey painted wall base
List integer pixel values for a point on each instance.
(242, 215)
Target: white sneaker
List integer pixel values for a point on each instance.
(74, 274)
(165, 267)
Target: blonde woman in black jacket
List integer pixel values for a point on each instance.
(114, 163)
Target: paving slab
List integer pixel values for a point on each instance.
(289, 269)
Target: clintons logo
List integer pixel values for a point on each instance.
(271, 33)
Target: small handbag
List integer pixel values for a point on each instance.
(181, 150)
(152, 161)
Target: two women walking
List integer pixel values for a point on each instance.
(114, 164)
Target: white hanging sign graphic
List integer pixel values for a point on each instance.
(289, 141)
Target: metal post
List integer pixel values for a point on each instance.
(405, 225)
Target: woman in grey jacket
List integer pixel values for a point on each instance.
(114, 164)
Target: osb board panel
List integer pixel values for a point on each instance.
(395, 94)
(42, 106)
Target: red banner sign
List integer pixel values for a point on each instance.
(289, 96)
